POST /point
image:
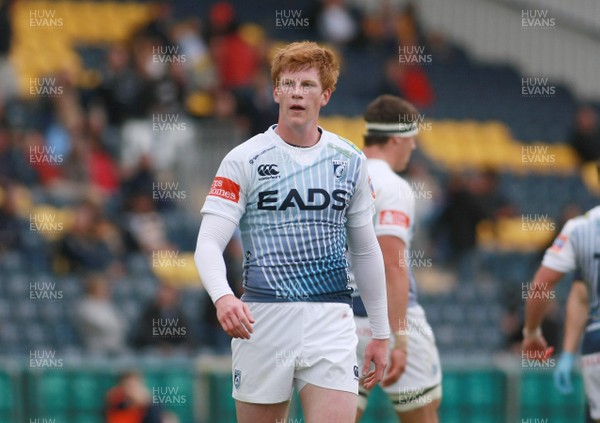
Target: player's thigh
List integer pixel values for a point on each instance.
(261, 413)
(425, 414)
(263, 366)
(328, 357)
(322, 405)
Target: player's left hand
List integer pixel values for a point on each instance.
(396, 367)
(562, 373)
(376, 352)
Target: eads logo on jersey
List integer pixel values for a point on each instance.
(268, 171)
(316, 199)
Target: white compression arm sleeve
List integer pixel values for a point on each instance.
(369, 273)
(215, 233)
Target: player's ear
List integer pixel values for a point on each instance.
(325, 96)
(276, 94)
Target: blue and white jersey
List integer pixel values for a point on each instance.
(293, 205)
(577, 247)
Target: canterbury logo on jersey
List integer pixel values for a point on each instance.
(316, 199)
(268, 170)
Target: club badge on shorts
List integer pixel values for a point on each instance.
(237, 378)
(356, 371)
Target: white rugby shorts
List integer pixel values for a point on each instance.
(295, 344)
(420, 384)
(590, 369)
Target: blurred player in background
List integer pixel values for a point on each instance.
(577, 247)
(413, 378)
(295, 191)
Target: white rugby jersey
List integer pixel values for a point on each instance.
(394, 211)
(577, 247)
(292, 205)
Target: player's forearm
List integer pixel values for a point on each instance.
(213, 237)
(397, 296)
(537, 298)
(576, 317)
(369, 274)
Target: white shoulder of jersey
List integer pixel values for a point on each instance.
(343, 145)
(394, 202)
(228, 192)
(593, 213)
(247, 150)
(560, 256)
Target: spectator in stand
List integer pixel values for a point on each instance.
(93, 243)
(237, 61)
(102, 327)
(15, 161)
(163, 326)
(130, 401)
(103, 172)
(10, 233)
(337, 23)
(469, 202)
(144, 226)
(408, 80)
(585, 138)
(121, 89)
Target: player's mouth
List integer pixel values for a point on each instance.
(297, 108)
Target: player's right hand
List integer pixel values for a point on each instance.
(536, 348)
(376, 352)
(234, 317)
(562, 373)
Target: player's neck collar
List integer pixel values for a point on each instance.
(273, 127)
